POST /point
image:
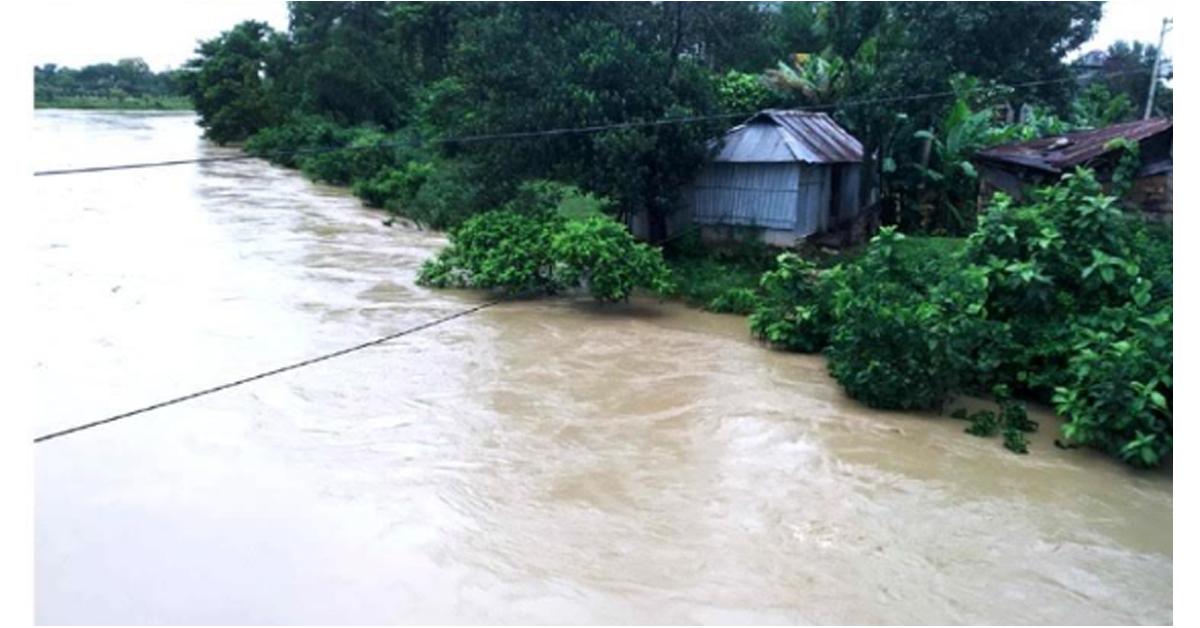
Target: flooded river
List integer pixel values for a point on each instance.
(549, 461)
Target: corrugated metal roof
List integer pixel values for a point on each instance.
(774, 136)
(1061, 152)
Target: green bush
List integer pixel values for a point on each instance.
(542, 253)
(898, 343)
(496, 250)
(1118, 397)
(601, 253)
(394, 188)
(365, 155)
(447, 197)
(795, 309)
(285, 144)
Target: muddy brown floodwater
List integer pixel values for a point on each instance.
(549, 461)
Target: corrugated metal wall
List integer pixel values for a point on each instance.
(763, 195)
(784, 197)
(814, 199)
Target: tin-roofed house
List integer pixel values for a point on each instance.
(1012, 168)
(790, 174)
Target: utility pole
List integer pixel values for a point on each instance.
(1166, 26)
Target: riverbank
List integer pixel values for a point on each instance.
(161, 103)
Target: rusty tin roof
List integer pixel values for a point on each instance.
(1061, 152)
(774, 136)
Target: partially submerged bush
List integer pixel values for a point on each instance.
(795, 309)
(288, 144)
(601, 254)
(1063, 298)
(366, 153)
(896, 343)
(1118, 397)
(496, 250)
(394, 188)
(543, 253)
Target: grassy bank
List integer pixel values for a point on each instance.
(727, 279)
(158, 103)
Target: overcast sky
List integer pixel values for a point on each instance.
(164, 33)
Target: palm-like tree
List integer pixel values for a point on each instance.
(820, 78)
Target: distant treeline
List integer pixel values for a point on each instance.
(126, 84)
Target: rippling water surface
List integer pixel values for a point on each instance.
(550, 461)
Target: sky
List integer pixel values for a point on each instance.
(165, 33)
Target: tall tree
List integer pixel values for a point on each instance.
(342, 60)
(229, 84)
(527, 67)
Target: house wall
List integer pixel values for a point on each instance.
(787, 202)
(1153, 195)
(812, 212)
(762, 195)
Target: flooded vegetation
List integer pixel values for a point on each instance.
(555, 460)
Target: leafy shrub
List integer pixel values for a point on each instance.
(448, 196)
(543, 253)
(601, 253)
(394, 188)
(1066, 254)
(795, 310)
(499, 249)
(364, 156)
(284, 144)
(1011, 421)
(1119, 395)
(899, 344)
(984, 423)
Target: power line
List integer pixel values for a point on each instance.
(584, 130)
(263, 375)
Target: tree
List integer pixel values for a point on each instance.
(229, 84)
(893, 51)
(127, 78)
(544, 66)
(1126, 71)
(342, 60)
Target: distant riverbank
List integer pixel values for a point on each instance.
(155, 103)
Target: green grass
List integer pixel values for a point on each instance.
(148, 103)
(699, 281)
(703, 276)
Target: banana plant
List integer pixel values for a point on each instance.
(820, 78)
(949, 178)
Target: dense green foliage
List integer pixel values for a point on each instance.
(1063, 299)
(126, 84)
(902, 335)
(1126, 70)
(229, 84)
(718, 278)
(795, 308)
(527, 251)
(430, 110)
(501, 249)
(417, 71)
